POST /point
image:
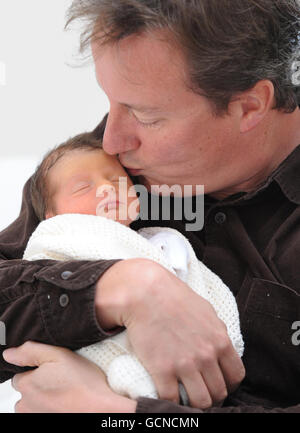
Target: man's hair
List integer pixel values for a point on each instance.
(40, 190)
(229, 45)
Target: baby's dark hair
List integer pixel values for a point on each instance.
(40, 191)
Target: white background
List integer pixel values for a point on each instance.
(43, 100)
(48, 96)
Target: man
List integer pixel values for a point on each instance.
(201, 93)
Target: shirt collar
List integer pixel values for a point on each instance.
(287, 176)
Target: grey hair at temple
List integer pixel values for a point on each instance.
(229, 45)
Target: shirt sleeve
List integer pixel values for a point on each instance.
(148, 405)
(49, 302)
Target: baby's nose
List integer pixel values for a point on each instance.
(105, 190)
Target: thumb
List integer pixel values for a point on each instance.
(32, 354)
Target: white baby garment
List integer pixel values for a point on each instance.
(87, 237)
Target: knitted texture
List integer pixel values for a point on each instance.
(87, 237)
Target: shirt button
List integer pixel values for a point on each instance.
(66, 275)
(64, 300)
(220, 218)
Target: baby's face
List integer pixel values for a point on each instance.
(94, 183)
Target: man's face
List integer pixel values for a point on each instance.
(160, 127)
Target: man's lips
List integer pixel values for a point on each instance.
(133, 171)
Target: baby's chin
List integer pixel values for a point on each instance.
(113, 214)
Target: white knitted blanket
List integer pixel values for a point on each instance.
(87, 237)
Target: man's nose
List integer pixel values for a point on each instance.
(119, 135)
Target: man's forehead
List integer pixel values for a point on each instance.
(139, 60)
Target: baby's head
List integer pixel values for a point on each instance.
(79, 177)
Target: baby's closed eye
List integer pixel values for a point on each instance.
(81, 187)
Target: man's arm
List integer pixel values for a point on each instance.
(164, 319)
(37, 303)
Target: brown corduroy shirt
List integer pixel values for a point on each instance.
(252, 241)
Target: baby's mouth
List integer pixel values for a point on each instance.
(113, 204)
(106, 206)
(109, 199)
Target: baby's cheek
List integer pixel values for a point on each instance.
(89, 206)
(84, 205)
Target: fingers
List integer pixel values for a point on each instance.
(208, 387)
(32, 354)
(167, 387)
(233, 370)
(230, 364)
(207, 379)
(222, 369)
(203, 380)
(214, 385)
(20, 407)
(18, 382)
(204, 385)
(22, 383)
(165, 381)
(213, 381)
(197, 391)
(208, 375)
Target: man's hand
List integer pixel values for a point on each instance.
(63, 382)
(174, 332)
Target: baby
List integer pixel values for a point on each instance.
(86, 202)
(78, 177)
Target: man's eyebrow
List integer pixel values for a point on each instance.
(142, 108)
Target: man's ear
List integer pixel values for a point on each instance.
(255, 104)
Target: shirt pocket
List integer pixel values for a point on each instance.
(271, 358)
